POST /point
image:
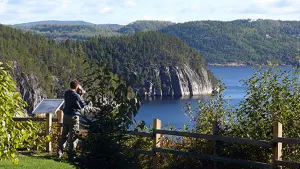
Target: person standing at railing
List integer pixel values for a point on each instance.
(72, 106)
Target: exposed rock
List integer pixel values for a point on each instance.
(148, 87)
(166, 81)
(179, 81)
(28, 86)
(157, 91)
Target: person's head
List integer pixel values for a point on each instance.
(74, 84)
(80, 90)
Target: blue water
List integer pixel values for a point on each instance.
(171, 110)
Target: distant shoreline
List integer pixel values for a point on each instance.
(243, 65)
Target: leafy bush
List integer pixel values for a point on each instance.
(14, 135)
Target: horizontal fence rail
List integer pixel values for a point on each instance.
(137, 133)
(287, 140)
(261, 143)
(287, 164)
(21, 119)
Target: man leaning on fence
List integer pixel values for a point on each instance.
(73, 104)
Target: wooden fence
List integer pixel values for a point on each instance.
(49, 121)
(276, 144)
(157, 133)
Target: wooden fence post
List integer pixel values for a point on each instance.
(277, 154)
(60, 118)
(48, 131)
(156, 142)
(217, 143)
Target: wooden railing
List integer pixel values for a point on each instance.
(276, 144)
(157, 133)
(49, 121)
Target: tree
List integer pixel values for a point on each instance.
(108, 122)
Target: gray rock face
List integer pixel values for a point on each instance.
(179, 81)
(28, 86)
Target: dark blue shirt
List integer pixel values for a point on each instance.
(73, 103)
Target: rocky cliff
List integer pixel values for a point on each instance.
(179, 81)
(28, 86)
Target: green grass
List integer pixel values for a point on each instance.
(36, 162)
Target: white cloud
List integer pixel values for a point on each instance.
(105, 10)
(275, 7)
(3, 5)
(130, 3)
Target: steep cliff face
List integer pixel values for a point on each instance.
(179, 81)
(28, 86)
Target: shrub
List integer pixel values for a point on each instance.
(273, 95)
(107, 125)
(14, 135)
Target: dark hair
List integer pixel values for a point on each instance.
(74, 84)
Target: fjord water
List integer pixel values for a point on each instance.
(172, 110)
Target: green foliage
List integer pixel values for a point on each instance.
(143, 26)
(14, 135)
(241, 41)
(109, 122)
(272, 96)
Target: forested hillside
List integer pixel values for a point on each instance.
(142, 26)
(146, 56)
(242, 41)
(42, 67)
(68, 29)
(63, 32)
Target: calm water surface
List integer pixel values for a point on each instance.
(171, 110)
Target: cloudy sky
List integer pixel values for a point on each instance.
(126, 11)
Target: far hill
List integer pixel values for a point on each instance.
(82, 32)
(242, 41)
(54, 22)
(142, 26)
(108, 24)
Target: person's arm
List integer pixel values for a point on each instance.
(80, 102)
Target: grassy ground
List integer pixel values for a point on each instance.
(36, 162)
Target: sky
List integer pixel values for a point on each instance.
(127, 11)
